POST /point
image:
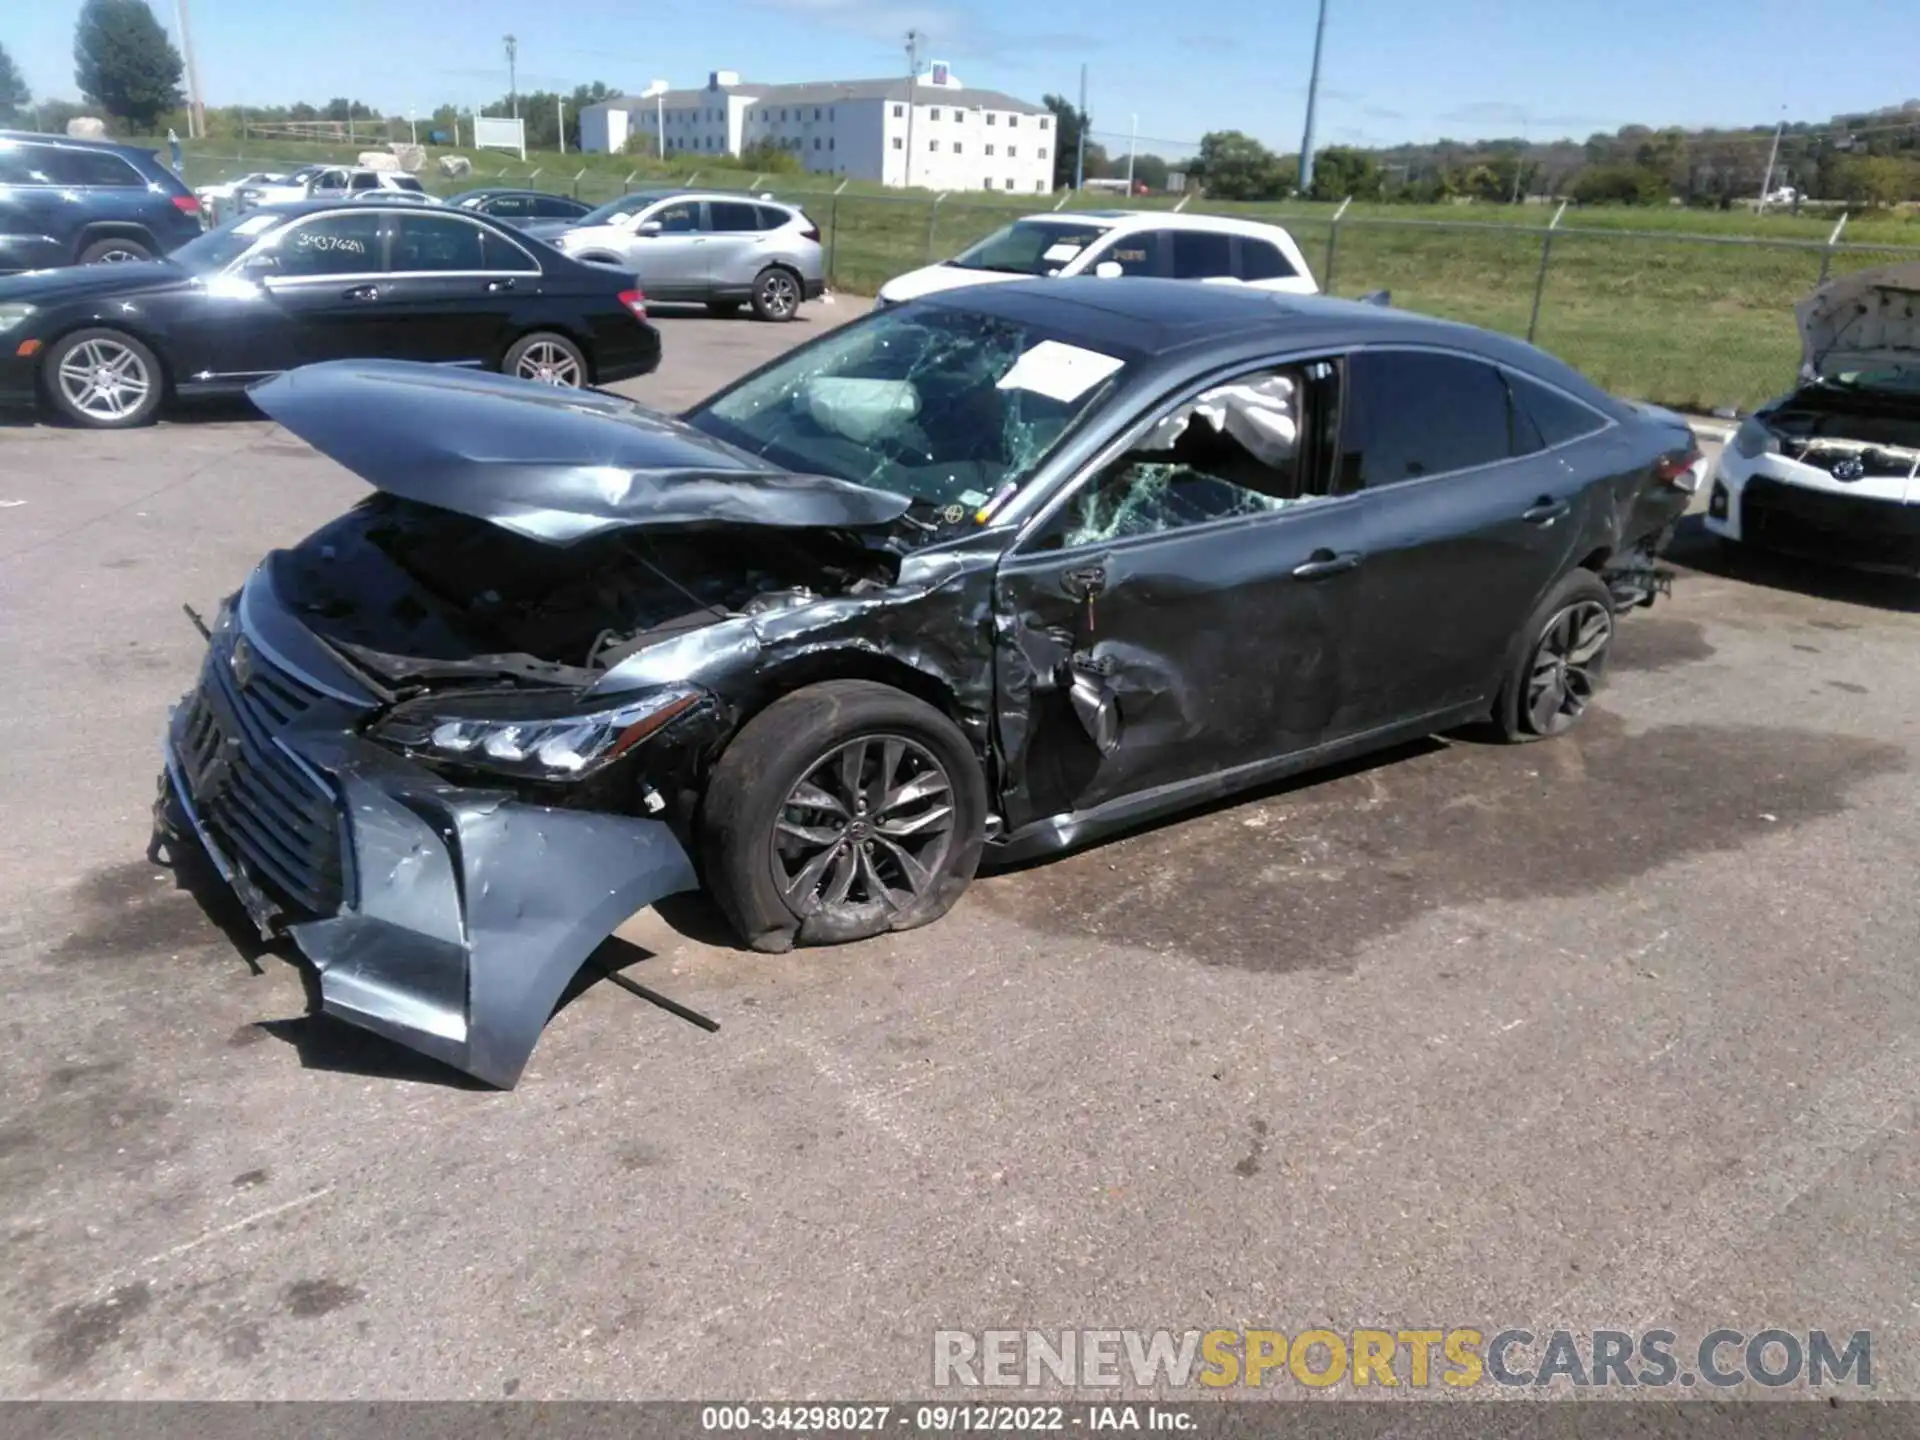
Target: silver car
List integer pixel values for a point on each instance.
(723, 250)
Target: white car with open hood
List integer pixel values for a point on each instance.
(1115, 243)
(1832, 470)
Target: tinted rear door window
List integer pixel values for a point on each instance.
(1142, 254)
(771, 219)
(91, 167)
(1262, 260)
(333, 245)
(1413, 413)
(557, 208)
(731, 216)
(1201, 255)
(433, 242)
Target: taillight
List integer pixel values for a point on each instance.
(1682, 469)
(636, 301)
(187, 204)
(812, 232)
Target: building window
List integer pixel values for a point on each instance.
(1039, 186)
(1043, 152)
(933, 144)
(816, 142)
(829, 142)
(989, 182)
(990, 149)
(829, 114)
(898, 143)
(783, 117)
(816, 112)
(1012, 150)
(1009, 184)
(1013, 120)
(898, 111)
(934, 114)
(956, 147)
(992, 119)
(1043, 122)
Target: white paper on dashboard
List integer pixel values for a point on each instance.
(1058, 371)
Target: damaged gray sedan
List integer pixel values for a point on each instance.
(998, 572)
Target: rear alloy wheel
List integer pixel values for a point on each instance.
(115, 252)
(103, 379)
(548, 358)
(843, 810)
(776, 294)
(1563, 663)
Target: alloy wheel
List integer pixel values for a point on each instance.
(550, 364)
(104, 379)
(117, 257)
(780, 294)
(1567, 661)
(870, 823)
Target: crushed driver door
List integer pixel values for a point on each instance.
(1185, 609)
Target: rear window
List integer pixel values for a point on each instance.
(98, 168)
(407, 182)
(772, 219)
(1558, 418)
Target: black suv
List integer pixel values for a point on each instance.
(73, 202)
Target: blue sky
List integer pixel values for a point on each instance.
(1393, 69)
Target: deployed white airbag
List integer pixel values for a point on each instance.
(860, 410)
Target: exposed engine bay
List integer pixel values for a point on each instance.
(393, 578)
(1854, 433)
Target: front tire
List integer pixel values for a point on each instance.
(1560, 661)
(115, 252)
(776, 294)
(102, 379)
(842, 811)
(547, 357)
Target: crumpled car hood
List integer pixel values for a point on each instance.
(1862, 321)
(551, 464)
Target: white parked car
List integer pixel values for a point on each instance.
(1116, 243)
(1832, 470)
(325, 182)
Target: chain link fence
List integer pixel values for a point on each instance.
(1701, 322)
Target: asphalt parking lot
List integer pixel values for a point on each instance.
(1621, 1029)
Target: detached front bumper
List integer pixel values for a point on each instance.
(447, 918)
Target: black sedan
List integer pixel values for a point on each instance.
(989, 574)
(323, 280)
(520, 207)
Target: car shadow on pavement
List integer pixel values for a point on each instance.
(1697, 548)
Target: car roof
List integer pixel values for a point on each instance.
(1148, 318)
(292, 209)
(79, 142)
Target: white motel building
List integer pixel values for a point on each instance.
(960, 138)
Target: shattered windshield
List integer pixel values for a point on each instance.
(1029, 247)
(946, 406)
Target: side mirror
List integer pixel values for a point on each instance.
(647, 227)
(261, 262)
(1108, 270)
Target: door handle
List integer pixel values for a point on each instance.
(361, 292)
(498, 285)
(1545, 511)
(1323, 563)
(1085, 582)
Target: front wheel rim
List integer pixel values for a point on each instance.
(1566, 666)
(780, 294)
(870, 824)
(104, 379)
(116, 257)
(550, 364)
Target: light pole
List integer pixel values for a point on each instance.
(913, 79)
(1313, 98)
(1080, 148)
(513, 83)
(1766, 186)
(196, 112)
(1133, 144)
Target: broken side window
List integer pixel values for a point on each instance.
(1234, 450)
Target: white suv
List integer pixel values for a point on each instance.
(326, 182)
(1120, 242)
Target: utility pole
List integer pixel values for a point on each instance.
(913, 79)
(563, 126)
(513, 82)
(1766, 186)
(1313, 99)
(1133, 144)
(196, 111)
(1080, 124)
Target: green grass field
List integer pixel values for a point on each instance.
(1686, 307)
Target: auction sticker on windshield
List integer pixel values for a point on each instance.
(1059, 371)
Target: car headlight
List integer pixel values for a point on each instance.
(1754, 438)
(13, 313)
(518, 733)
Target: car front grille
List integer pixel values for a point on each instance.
(261, 807)
(1846, 529)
